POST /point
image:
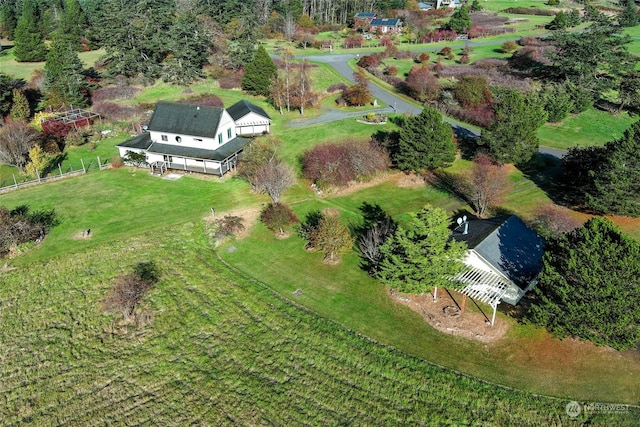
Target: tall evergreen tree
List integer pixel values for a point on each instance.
(420, 255)
(259, 73)
(6, 94)
(616, 181)
(189, 49)
(29, 43)
(588, 287)
(512, 138)
(426, 142)
(594, 59)
(8, 19)
(460, 21)
(64, 80)
(629, 16)
(72, 23)
(20, 110)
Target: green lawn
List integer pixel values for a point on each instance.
(593, 127)
(25, 70)
(218, 349)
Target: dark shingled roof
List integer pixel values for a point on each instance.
(186, 119)
(507, 244)
(365, 15)
(227, 150)
(242, 108)
(142, 141)
(392, 22)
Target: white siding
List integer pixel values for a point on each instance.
(513, 294)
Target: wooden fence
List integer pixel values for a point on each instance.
(53, 175)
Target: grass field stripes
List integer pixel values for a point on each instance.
(219, 351)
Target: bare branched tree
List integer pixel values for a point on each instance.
(274, 178)
(370, 241)
(128, 290)
(16, 139)
(488, 184)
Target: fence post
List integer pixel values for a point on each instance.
(99, 164)
(38, 174)
(83, 168)
(14, 180)
(60, 169)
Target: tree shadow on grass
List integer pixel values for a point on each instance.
(54, 164)
(545, 171)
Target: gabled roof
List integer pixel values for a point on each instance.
(365, 15)
(389, 22)
(186, 119)
(242, 108)
(425, 6)
(506, 243)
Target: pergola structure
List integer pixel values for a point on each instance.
(74, 117)
(483, 286)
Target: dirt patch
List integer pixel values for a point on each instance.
(83, 235)
(410, 180)
(444, 315)
(250, 217)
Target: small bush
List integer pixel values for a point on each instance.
(19, 226)
(336, 87)
(117, 162)
(229, 226)
(508, 47)
(128, 290)
(276, 216)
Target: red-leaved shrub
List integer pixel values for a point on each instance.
(339, 164)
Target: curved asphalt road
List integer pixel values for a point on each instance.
(339, 62)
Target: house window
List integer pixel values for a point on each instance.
(229, 133)
(178, 139)
(164, 138)
(168, 158)
(219, 138)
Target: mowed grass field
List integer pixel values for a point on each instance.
(217, 349)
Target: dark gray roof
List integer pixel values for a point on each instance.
(365, 15)
(186, 119)
(391, 22)
(242, 108)
(227, 150)
(142, 141)
(507, 244)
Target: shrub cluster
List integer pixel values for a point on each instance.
(116, 112)
(19, 226)
(128, 290)
(276, 216)
(232, 80)
(439, 35)
(532, 10)
(339, 164)
(115, 92)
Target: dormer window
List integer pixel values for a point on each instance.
(219, 138)
(229, 133)
(178, 139)
(164, 138)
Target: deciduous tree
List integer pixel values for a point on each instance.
(331, 237)
(37, 162)
(276, 216)
(128, 290)
(488, 184)
(16, 139)
(422, 84)
(426, 142)
(588, 287)
(274, 178)
(421, 255)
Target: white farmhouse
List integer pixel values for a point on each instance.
(197, 138)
